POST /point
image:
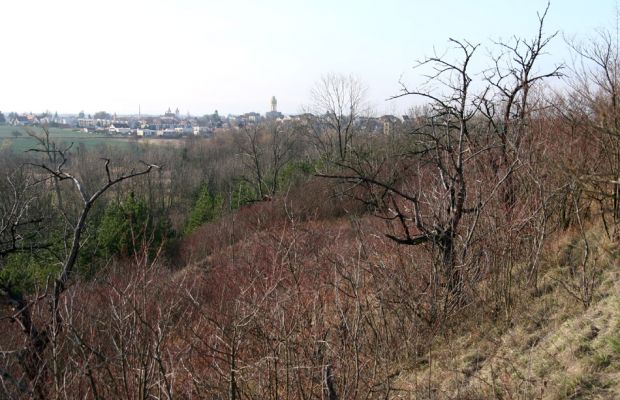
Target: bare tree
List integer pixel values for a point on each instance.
(461, 153)
(265, 149)
(425, 187)
(338, 101)
(506, 103)
(593, 107)
(282, 151)
(19, 219)
(253, 157)
(38, 333)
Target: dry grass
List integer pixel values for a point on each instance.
(552, 348)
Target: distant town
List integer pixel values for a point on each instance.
(173, 124)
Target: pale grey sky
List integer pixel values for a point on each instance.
(113, 55)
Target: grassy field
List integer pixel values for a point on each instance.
(17, 139)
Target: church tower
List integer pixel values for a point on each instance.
(273, 114)
(274, 104)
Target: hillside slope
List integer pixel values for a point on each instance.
(552, 347)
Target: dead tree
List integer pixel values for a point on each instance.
(425, 189)
(506, 103)
(37, 333)
(594, 103)
(435, 188)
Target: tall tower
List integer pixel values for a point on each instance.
(274, 104)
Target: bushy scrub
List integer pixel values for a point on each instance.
(129, 226)
(207, 207)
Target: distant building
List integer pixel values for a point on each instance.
(170, 114)
(87, 123)
(273, 114)
(20, 120)
(146, 132)
(368, 124)
(119, 127)
(249, 118)
(390, 122)
(202, 130)
(167, 133)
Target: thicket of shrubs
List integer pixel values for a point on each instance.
(312, 259)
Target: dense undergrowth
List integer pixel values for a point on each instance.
(470, 251)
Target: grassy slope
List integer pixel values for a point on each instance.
(551, 348)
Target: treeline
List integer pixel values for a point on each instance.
(312, 259)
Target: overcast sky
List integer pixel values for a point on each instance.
(233, 55)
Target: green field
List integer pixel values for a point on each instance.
(17, 139)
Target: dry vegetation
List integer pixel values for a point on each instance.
(470, 254)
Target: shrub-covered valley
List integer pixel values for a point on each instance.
(468, 251)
